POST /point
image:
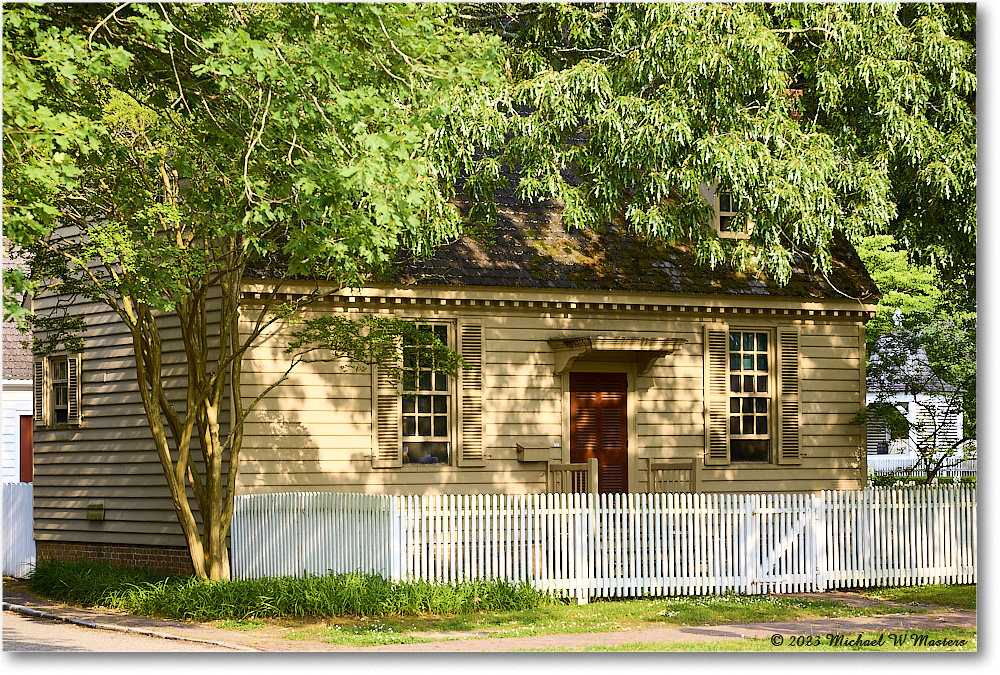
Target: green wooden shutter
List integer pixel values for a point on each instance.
(471, 451)
(73, 388)
(39, 390)
(387, 451)
(789, 442)
(716, 395)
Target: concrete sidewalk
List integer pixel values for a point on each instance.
(17, 599)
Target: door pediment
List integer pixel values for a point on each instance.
(643, 350)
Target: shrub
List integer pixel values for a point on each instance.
(89, 584)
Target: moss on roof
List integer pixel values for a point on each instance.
(529, 247)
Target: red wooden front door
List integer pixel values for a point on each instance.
(597, 426)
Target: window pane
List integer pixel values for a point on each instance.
(748, 342)
(60, 369)
(409, 426)
(734, 383)
(762, 362)
(745, 450)
(409, 404)
(762, 383)
(442, 334)
(440, 381)
(760, 405)
(734, 361)
(440, 404)
(762, 342)
(440, 425)
(425, 380)
(762, 424)
(734, 404)
(748, 362)
(424, 426)
(424, 452)
(734, 425)
(747, 404)
(748, 384)
(734, 342)
(424, 404)
(748, 424)
(409, 381)
(725, 201)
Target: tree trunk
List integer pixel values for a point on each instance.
(173, 434)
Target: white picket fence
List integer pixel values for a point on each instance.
(895, 465)
(18, 530)
(587, 545)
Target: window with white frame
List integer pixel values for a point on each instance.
(752, 395)
(426, 406)
(57, 390)
(426, 418)
(750, 401)
(729, 221)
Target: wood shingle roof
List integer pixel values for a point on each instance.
(529, 247)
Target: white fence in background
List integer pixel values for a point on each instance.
(609, 545)
(889, 465)
(18, 530)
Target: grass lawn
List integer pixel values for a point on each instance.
(555, 618)
(957, 597)
(360, 611)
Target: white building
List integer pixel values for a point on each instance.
(932, 408)
(16, 401)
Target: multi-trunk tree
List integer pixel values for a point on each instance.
(197, 145)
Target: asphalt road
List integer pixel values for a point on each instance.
(29, 634)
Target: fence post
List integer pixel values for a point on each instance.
(236, 557)
(819, 539)
(592, 476)
(395, 536)
(579, 509)
(752, 543)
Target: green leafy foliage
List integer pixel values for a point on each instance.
(90, 585)
(909, 288)
(183, 147)
(820, 118)
(164, 153)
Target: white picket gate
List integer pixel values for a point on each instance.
(18, 530)
(587, 545)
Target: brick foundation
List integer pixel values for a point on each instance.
(170, 559)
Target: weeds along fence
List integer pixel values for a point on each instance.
(18, 543)
(586, 545)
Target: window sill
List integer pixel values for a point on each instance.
(733, 235)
